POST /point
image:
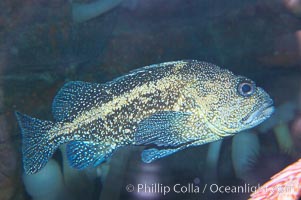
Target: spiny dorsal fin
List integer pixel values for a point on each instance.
(77, 96)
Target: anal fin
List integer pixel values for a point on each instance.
(82, 154)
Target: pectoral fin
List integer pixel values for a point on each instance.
(162, 129)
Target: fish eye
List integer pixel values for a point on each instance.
(246, 88)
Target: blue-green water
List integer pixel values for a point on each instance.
(44, 44)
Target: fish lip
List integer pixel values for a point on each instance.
(261, 113)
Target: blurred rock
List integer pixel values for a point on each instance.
(294, 6)
(47, 184)
(79, 185)
(283, 114)
(285, 52)
(245, 152)
(284, 138)
(296, 127)
(211, 171)
(8, 164)
(82, 12)
(296, 134)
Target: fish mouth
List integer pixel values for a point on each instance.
(260, 114)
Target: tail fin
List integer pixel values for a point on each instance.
(36, 146)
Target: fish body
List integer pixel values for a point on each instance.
(172, 105)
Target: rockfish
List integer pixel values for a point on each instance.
(169, 106)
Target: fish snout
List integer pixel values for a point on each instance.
(260, 114)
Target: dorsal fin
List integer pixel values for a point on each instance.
(77, 96)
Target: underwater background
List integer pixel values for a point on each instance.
(44, 44)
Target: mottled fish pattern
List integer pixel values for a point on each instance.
(171, 106)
